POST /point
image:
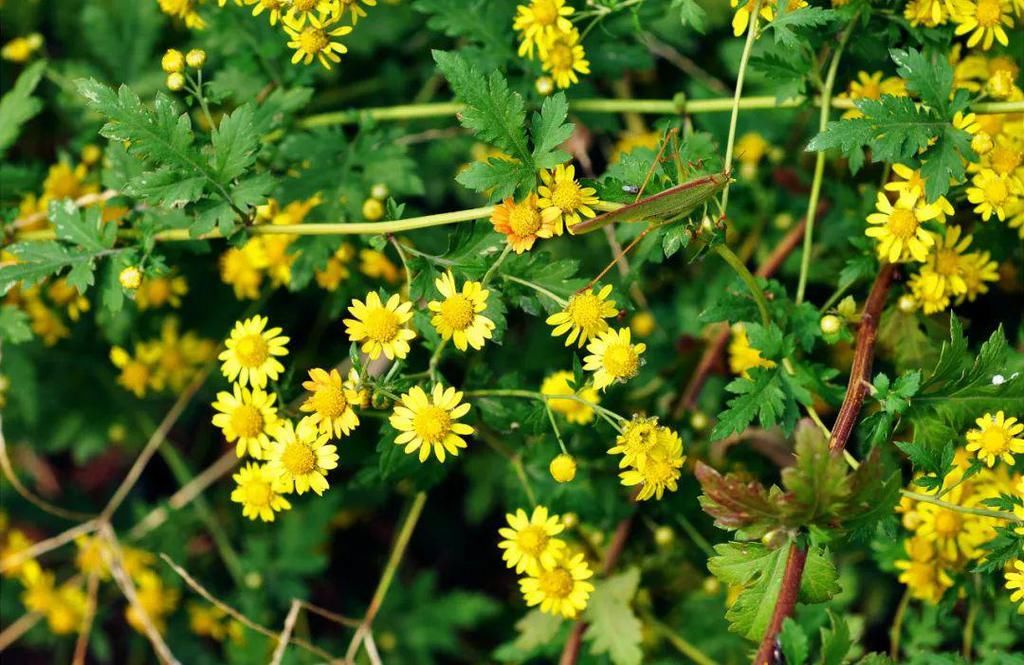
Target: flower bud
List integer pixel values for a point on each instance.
(981, 143)
(830, 324)
(907, 303)
(563, 468)
(372, 210)
(196, 58)
(130, 278)
(642, 324)
(175, 81)
(379, 191)
(545, 85)
(1000, 85)
(664, 536)
(91, 154)
(173, 61)
(699, 421)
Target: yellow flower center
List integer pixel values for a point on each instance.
(657, 471)
(305, 5)
(432, 424)
(947, 524)
(258, 493)
(903, 223)
(555, 583)
(298, 459)
(1004, 160)
(994, 440)
(313, 40)
(545, 12)
(585, 310)
(457, 311)
(566, 195)
(532, 540)
(381, 324)
(989, 12)
(621, 361)
(524, 220)
(247, 421)
(135, 374)
(252, 350)
(560, 57)
(995, 191)
(642, 436)
(947, 262)
(329, 401)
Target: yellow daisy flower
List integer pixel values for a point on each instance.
(924, 574)
(331, 401)
(560, 383)
(745, 8)
(381, 327)
(540, 23)
(258, 492)
(250, 356)
(898, 228)
(562, 590)
(154, 600)
(992, 193)
(136, 372)
(299, 457)
(950, 531)
(529, 542)
(156, 292)
(565, 58)
(242, 268)
(742, 356)
(929, 13)
(459, 317)
(984, 20)
(301, 10)
(522, 223)
(638, 437)
(928, 291)
(427, 423)
(246, 417)
(612, 358)
(562, 192)
(996, 439)
(355, 11)
(911, 180)
(659, 468)
(314, 40)
(275, 8)
(977, 268)
(947, 261)
(584, 316)
(1015, 583)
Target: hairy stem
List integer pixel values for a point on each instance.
(785, 604)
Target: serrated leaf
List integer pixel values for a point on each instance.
(691, 14)
(763, 396)
(234, 142)
(18, 106)
(614, 628)
(794, 642)
(835, 640)
(737, 502)
(929, 77)
(14, 327)
(499, 178)
(549, 130)
(818, 480)
(83, 228)
(786, 22)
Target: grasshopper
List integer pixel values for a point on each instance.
(659, 209)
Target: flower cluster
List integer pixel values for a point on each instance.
(559, 204)
(544, 28)
(652, 455)
(744, 8)
(554, 576)
(166, 363)
(949, 528)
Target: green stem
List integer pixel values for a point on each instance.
(530, 394)
(981, 512)
(972, 617)
(695, 535)
(819, 163)
(554, 426)
(681, 645)
(397, 552)
(494, 266)
(896, 632)
(744, 274)
(744, 59)
(562, 302)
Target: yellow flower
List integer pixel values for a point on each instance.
(911, 181)
(924, 574)
(612, 358)
(246, 418)
(751, 148)
(259, 493)
(996, 439)
(156, 600)
(136, 372)
(638, 437)
(947, 261)
(992, 193)
(428, 423)
(382, 326)
(1015, 583)
(40, 591)
(89, 558)
(643, 324)
(522, 223)
(628, 141)
(376, 265)
(16, 541)
(130, 278)
(302, 9)
(207, 621)
(529, 541)
(178, 358)
(560, 383)
(65, 613)
(355, 11)
(562, 589)
(299, 457)
(898, 228)
(565, 58)
(336, 270)
(64, 295)
(984, 20)
(929, 13)
(540, 23)
(274, 8)
(172, 61)
(184, 10)
(744, 8)
(584, 316)
(954, 534)
(977, 268)
(251, 350)
(314, 40)
(742, 356)
(45, 323)
(659, 469)
(159, 291)
(928, 291)
(20, 49)
(331, 401)
(459, 316)
(563, 193)
(562, 468)
(242, 268)
(1004, 157)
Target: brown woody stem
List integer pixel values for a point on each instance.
(788, 595)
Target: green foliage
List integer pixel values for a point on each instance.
(614, 627)
(18, 106)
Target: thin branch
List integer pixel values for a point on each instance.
(80, 202)
(82, 644)
(329, 615)
(43, 546)
(785, 604)
(286, 633)
(238, 616)
(14, 632)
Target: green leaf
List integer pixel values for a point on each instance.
(945, 161)
(785, 68)
(818, 480)
(691, 14)
(234, 142)
(614, 628)
(18, 106)
(14, 326)
(786, 22)
(550, 130)
(738, 502)
(536, 629)
(500, 178)
(493, 112)
(929, 77)
(766, 395)
(893, 127)
(835, 641)
(794, 642)
(82, 228)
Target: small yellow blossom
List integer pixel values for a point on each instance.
(315, 39)
(246, 418)
(613, 358)
(898, 227)
(561, 191)
(428, 423)
(331, 401)
(584, 316)
(252, 351)
(459, 316)
(985, 20)
(522, 223)
(560, 383)
(742, 356)
(259, 492)
(299, 456)
(540, 23)
(997, 438)
(562, 589)
(565, 58)
(562, 468)
(529, 541)
(380, 327)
